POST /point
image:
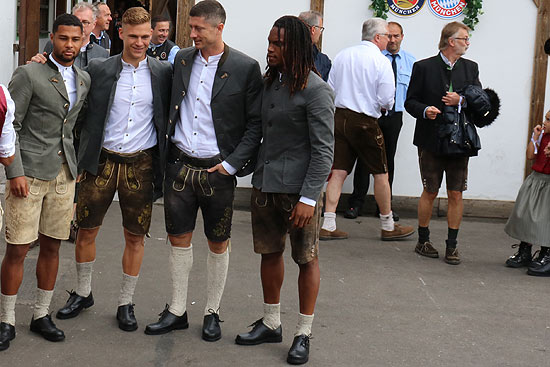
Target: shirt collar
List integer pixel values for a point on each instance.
(387, 53)
(59, 66)
(142, 63)
(446, 60)
(369, 44)
(212, 58)
(152, 45)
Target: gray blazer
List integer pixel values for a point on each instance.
(43, 121)
(298, 139)
(93, 51)
(235, 104)
(104, 74)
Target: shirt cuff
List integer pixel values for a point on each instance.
(424, 113)
(229, 168)
(308, 201)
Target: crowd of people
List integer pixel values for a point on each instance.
(184, 123)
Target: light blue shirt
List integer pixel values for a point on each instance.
(405, 63)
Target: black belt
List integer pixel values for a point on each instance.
(125, 157)
(176, 153)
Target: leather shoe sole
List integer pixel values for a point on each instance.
(398, 233)
(325, 235)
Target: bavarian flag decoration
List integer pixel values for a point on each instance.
(447, 9)
(405, 8)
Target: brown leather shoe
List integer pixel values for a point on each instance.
(452, 256)
(325, 235)
(426, 249)
(399, 231)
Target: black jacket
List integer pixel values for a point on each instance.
(430, 81)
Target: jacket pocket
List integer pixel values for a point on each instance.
(30, 146)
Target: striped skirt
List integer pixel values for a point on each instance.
(530, 218)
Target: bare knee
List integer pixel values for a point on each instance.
(15, 254)
(218, 247)
(182, 240)
(455, 197)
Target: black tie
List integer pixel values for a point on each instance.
(394, 67)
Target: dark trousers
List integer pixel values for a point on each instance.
(391, 127)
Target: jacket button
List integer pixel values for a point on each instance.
(166, 136)
(65, 121)
(169, 121)
(266, 162)
(183, 93)
(62, 136)
(176, 107)
(60, 153)
(66, 105)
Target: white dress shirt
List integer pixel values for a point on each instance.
(7, 139)
(195, 134)
(130, 126)
(362, 79)
(69, 78)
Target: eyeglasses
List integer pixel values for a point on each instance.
(465, 39)
(321, 29)
(385, 34)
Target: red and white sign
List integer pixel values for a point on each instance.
(447, 9)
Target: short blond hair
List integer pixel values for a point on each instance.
(136, 16)
(449, 31)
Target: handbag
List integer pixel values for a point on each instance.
(457, 135)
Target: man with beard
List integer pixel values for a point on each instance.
(89, 50)
(161, 47)
(121, 150)
(293, 164)
(214, 128)
(434, 85)
(41, 179)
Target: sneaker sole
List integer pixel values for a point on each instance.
(433, 256)
(332, 238)
(452, 262)
(397, 237)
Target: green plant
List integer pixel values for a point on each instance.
(380, 8)
(471, 12)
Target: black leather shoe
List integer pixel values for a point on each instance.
(126, 318)
(299, 351)
(541, 267)
(211, 330)
(521, 258)
(351, 213)
(45, 327)
(168, 322)
(260, 334)
(74, 305)
(7, 333)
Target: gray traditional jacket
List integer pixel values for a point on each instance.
(298, 139)
(43, 121)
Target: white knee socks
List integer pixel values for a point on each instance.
(127, 289)
(84, 278)
(181, 262)
(216, 268)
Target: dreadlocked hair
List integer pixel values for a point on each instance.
(297, 54)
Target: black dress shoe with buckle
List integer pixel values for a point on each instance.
(74, 305)
(45, 327)
(167, 322)
(126, 317)
(299, 351)
(7, 333)
(211, 330)
(260, 334)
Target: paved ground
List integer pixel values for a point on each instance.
(380, 305)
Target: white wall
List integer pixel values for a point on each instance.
(7, 39)
(504, 54)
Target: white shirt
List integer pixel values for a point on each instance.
(7, 139)
(194, 133)
(69, 78)
(130, 126)
(362, 79)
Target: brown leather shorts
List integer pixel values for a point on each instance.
(129, 174)
(432, 167)
(270, 224)
(358, 136)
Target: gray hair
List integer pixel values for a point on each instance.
(83, 6)
(372, 27)
(311, 17)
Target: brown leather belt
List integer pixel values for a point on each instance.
(176, 153)
(125, 157)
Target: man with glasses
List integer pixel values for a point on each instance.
(314, 20)
(89, 50)
(363, 81)
(390, 122)
(434, 85)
